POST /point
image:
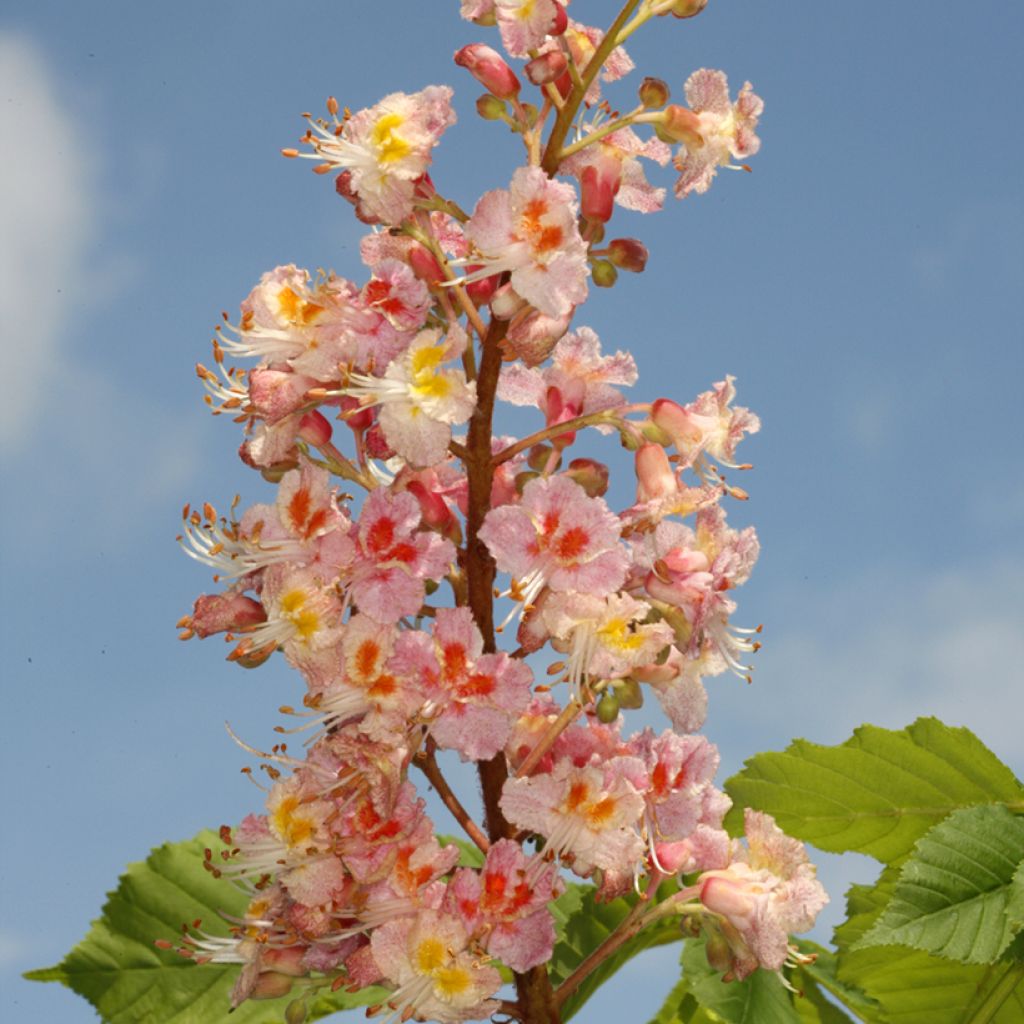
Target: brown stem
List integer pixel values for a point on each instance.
(427, 763)
(632, 923)
(560, 129)
(536, 998)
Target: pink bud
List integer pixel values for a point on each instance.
(561, 22)
(481, 291)
(730, 898)
(357, 417)
(434, 510)
(532, 335)
(275, 394)
(424, 264)
(548, 67)
(654, 475)
(628, 254)
(314, 429)
(224, 613)
(488, 68)
(676, 422)
(599, 181)
(377, 446)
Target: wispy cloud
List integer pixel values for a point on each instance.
(46, 223)
(895, 644)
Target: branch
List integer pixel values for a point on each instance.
(427, 763)
(553, 150)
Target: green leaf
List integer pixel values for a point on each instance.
(678, 1006)
(955, 891)
(912, 987)
(822, 973)
(758, 999)
(129, 981)
(878, 792)
(582, 924)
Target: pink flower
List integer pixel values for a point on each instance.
(580, 380)
(726, 130)
(508, 904)
(385, 149)
(556, 537)
(525, 24)
(768, 892)
(436, 976)
(419, 401)
(589, 815)
(708, 425)
(474, 696)
(393, 559)
(531, 231)
(613, 163)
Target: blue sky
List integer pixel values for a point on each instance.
(863, 284)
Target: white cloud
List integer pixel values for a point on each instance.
(46, 222)
(896, 645)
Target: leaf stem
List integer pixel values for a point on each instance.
(998, 995)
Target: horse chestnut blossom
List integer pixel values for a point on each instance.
(375, 567)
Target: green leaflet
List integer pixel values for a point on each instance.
(759, 999)
(878, 792)
(582, 924)
(955, 892)
(129, 981)
(912, 987)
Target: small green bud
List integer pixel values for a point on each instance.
(295, 1012)
(539, 455)
(604, 273)
(490, 108)
(653, 93)
(522, 479)
(607, 709)
(629, 693)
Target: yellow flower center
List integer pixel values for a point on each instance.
(390, 147)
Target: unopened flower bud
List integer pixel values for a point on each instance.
(522, 479)
(490, 108)
(679, 124)
(271, 985)
(481, 292)
(607, 709)
(677, 423)
(628, 254)
(532, 335)
(273, 474)
(538, 457)
(488, 68)
(506, 302)
(718, 952)
(424, 264)
(654, 93)
(604, 273)
(315, 429)
(629, 693)
(561, 22)
(591, 475)
(599, 182)
(253, 659)
(295, 1012)
(686, 8)
(546, 68)
(654, 475)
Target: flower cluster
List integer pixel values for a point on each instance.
(385, 603)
